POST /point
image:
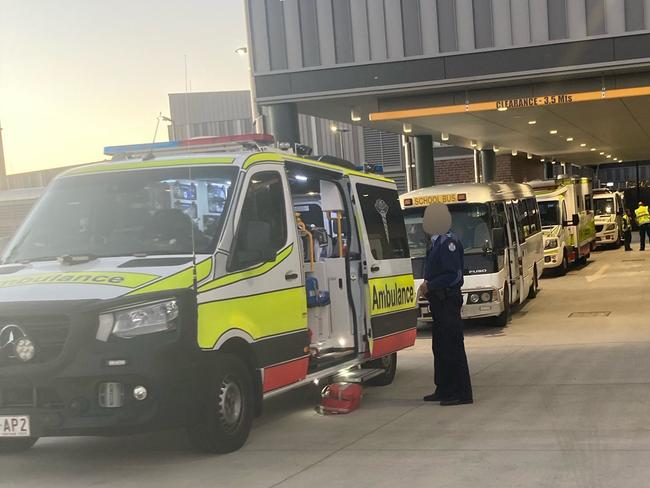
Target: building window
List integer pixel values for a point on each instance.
(634, 15)
(447, 28)
(595, 10)
(277, 34)
(557, 19)
(483, 26)
(411, 27)
(309, 33)
(342, 31)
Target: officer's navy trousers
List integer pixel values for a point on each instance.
(451, 372)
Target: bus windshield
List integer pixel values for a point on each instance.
(144, 212)
(604, 206)
(549, 213)
(470, 223)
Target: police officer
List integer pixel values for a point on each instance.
(627, 229)
(443, 279)
(643, 219)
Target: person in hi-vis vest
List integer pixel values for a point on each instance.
(643, 221)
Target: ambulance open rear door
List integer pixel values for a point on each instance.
(391, 313)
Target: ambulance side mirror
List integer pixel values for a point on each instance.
(498, 238)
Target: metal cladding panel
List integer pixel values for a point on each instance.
(360, 34)
(259, 35)
(292, 27)
(377, 29)
(429, 27)
(209, 106)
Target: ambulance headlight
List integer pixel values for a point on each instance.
(550, 244)
(143, 319)
(610, 227)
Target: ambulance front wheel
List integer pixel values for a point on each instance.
(388, 364)
(8, 446)
(227, 410)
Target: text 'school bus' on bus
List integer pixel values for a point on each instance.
(181, 290)
(499, 227)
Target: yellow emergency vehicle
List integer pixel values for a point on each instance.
(183, 289)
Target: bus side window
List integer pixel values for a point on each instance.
(588, 205)
(533, 216)
(523, 219)
(519, 218)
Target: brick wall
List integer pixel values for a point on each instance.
(510, 169)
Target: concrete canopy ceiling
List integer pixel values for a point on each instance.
(619, 127)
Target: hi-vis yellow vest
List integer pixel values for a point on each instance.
(642, 215)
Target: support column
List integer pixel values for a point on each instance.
(282, 122)
(488, 165)
(548, 170)
(424, 172)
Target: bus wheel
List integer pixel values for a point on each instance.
(8, 446)
(564, 267)
(227, 410)
(503, 319)
(534, 286)
(388, 364)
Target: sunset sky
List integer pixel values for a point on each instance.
(78, 75)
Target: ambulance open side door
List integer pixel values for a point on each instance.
(391, 313)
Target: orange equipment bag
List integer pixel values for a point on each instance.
(341, 397)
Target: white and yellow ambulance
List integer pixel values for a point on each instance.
(183, 289)
(609, 209)
(566, 210)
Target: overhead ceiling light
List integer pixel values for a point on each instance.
(552, 131)
(609, 156)
(593, 149)
(355, 116)
(602, 153)
(495, 149)
(514, 152)
(502, 109)
(334, 128)
(444, 136)
(532, 122)
(473, 143)
(615, 159)
(407, 128)
(583, 145)
(543, 159)
(569, 139)
(529, 156)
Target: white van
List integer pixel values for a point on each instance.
(182, 290)
(499, 227)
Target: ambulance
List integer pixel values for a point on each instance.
(182, 289)
(609, 209)
(499, 227)
(566, 210)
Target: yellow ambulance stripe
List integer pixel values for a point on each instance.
(182, 279)
(391, 294)
(109, 278)
(127, 165)
(262, 315)
(249, 273)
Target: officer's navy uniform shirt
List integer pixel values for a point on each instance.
(444, 264)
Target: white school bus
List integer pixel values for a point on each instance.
(500, 229)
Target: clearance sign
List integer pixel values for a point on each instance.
(513, 103)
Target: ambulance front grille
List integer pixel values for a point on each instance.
(48, 334)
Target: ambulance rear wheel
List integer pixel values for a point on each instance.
(8, 446)
(388, 364)
(227, 409)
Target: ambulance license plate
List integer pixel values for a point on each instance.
(15, 426)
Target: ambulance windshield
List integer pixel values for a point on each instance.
(549, 212)
(604, 206)
(470, 223)
(144, 212)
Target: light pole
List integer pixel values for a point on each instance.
(340, 131)
(243, 52)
